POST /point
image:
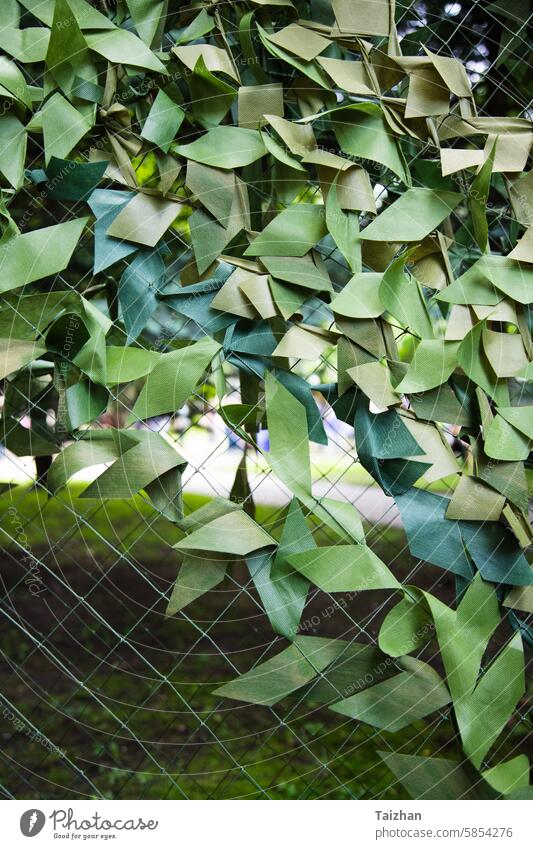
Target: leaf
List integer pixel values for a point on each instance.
(211, 97)
(514, 516)
(208, 240)
(374, 380)
(106, 204)
(383, 441)
(435, 449)
(94, 448)
(214, 59)
(163, 122)
(225, 147)
(256, 289)
(66, 179)
(309, 69)
(282, 590)
(524, 792)
(214, 187)
(344, 568)
(439, 405)
(144, 219)
(344, 227)
(137, 291)
(126, 364)
(464, 634)
(507, 478)
(405, 628)
(510, 775)
(402, 297)
(123, 47)
(362, 131)
(288, 458)
(199, 26)
(39, 253)
(472, 360)
(172, 380)
(430, 535)
(298, 138)
(520, 418)
(348, 75)
(302, 391)
(10, 13)
(197, 575)
(17, 353)
(484, 713)
(280, 676)
(472, 287)
(230, 298)
(410, 218)
(304, 342)
(360, 297)
(513, 278)
(13, 139)
(357, 667)
(279, 152)
(13, 82)
(147, 16)
(25, 45)
(399, 701)
(293, 232)
(234, 533)
(195, 302)
(300, 271)
(474, 501)
(433, 363)
(452, 72)
(437, 778)
(496, 553)
(523, 250)
(85, 402)
(362, 17)
(145, 461)
(256, 101)
(63, 126)
(455, 159)
(301, 41)
(67, 54)
(504, 442)
(86, 15)
(426, 95)
(88, 351)
(478, 197)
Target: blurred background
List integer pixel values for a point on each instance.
(105, 697)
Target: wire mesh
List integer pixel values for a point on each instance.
(102, 695)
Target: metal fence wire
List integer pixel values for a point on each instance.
(102, 695)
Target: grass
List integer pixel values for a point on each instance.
(32, 520)
(94, 664)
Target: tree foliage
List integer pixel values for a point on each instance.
(280, 184)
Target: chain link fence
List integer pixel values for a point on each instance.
(102, 695)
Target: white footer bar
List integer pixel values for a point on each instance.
(265, 825)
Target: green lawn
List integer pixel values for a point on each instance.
(129, 716)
